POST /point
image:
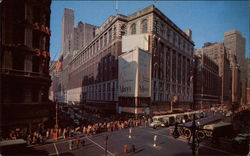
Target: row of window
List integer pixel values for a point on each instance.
(176, 89)
(143, 26)
(179, 63)
(95, 47)
(168, 97)
(167, 33)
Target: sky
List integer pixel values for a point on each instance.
(208, 20)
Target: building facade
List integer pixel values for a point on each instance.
(67, 29)
(248, 81)
(94, 69)
(206, 82)
(75, 37)
(236, 81)
(217, 52)
(236, 45)
(24, 67)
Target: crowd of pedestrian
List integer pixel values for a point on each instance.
(40, 135)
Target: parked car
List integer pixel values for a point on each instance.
(156, 124)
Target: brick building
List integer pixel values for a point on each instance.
(217, 52)
(206, 81)
(93, 77)
(24, 65)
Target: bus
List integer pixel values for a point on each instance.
(171, 119)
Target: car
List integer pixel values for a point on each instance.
(156, 124)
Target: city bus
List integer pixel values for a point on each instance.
(171, 119)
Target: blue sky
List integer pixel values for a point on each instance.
(207, 19)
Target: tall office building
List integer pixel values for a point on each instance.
(236, 44)
(248, 82)
(75, 38)
(217, 52)
(24, 65)
(67, 29)
(83, 33)
(206, 82)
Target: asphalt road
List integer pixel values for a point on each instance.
(141, 137)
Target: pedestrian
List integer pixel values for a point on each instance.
(77, 141)
(47, 134)
(70, 144)
(125, 148)
(133, 148)
(171, 131)
(83, 142)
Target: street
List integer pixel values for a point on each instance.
(142, 138)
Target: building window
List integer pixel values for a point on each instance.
(133, 28)
(123, 29)
(105, 39)
(110, 35)
(144, 26)
(101, 42)
(162, 29)
(114, 33)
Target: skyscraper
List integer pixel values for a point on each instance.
(217, 52)
(248, 82)
(236, 44)
(67, 29)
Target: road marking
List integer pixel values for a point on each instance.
(100, 146)
(56, 149)
(184, 140)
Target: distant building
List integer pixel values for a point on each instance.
(93, 71)
(24, 65)
(217, 52)
(67, 29)
(206, 81)
(236, 45)
(235, 79)
(75, 38)
(248, 82)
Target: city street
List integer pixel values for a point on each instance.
(141, 137)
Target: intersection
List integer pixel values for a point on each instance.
(142, 138)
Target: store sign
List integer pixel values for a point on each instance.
(134, 76)
(134, 110)
(127, 75)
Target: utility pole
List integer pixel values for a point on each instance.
(193, 130)
(56, 126)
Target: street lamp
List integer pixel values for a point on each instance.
(196, 134)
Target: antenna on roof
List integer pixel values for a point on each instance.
(154, 2)
(116, 6)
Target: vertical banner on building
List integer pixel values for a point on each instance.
(127, 68)
(144, 74)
